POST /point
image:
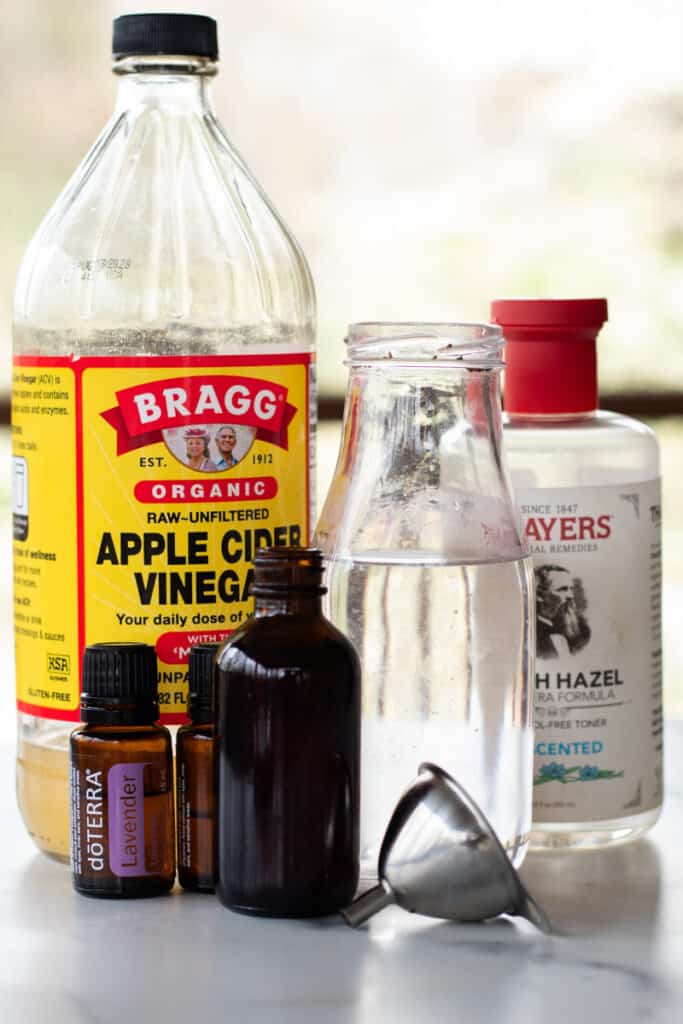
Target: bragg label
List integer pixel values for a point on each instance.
(141, 489)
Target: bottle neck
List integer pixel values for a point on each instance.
(180, 83)
(113, 727)
(118, 711)
(542, 419)
(201, 712)
(289, 603)
(395, 420)
(432, 397)
(421, 469)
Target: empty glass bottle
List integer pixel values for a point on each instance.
(429, 575)
(163, 331)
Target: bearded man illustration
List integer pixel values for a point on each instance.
(561, 625)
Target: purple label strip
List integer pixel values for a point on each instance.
(126, 798)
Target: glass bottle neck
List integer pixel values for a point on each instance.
(412, 406)
(307, 605)
(421, 477)
(181, 83)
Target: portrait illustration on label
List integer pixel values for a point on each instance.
(561, 623)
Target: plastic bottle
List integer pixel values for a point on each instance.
(161, 301)
(587, 483)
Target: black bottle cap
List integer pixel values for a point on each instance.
(280, 570)
(119, 684)
(200, 694)
(149, 35)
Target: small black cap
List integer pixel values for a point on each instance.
(149, 35)
(119, 684)
(282, 569)
(200, 693)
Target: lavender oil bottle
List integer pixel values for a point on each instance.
(121, 773)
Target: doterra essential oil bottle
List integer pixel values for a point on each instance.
(122, 834)
(587, 483)
(164, 330)
(288, 727)
(196, 777)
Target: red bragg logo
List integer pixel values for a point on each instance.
(566, 528)
(145, 410)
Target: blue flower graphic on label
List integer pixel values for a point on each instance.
(555, 772)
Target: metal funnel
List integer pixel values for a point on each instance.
(440, 857)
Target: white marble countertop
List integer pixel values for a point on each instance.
(66, 959)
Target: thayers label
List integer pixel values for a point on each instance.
(598, 703)
(142, 488)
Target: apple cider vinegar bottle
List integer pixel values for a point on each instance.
(163, 399)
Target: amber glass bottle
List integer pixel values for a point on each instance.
(195, 774)
(122, 830)
(288, 688)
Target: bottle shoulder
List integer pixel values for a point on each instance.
(254, 198)
(162, 224)
(602, 449)
(192, 732)
(278, 641)
(601, 423)
(134, 737)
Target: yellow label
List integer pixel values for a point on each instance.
(166, 476)
(44, 487)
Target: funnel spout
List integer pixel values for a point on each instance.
(369, 903)
(529, 908)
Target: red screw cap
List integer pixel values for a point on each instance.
(550, 357)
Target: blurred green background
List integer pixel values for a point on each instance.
(428, 157)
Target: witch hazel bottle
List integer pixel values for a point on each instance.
(587, 484)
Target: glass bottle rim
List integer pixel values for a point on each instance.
(457, 345)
